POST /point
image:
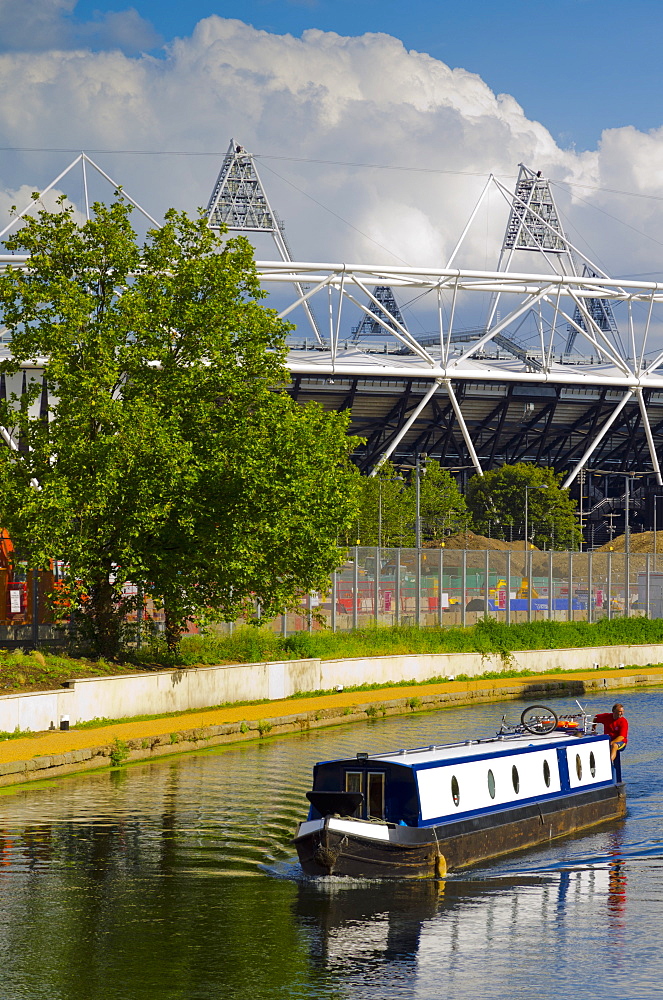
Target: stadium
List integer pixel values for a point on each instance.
(543, 359)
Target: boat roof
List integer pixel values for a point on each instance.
(493, 746)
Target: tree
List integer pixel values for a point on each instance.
(442, 506)
(497, 504)
(384, 494)
(443, 509)
(171, 456)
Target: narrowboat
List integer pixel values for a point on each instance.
(426, 811)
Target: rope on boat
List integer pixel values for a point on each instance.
(440, 860)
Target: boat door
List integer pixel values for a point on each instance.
(371, 784)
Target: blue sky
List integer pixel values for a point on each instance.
(371, 146)
(577, 66)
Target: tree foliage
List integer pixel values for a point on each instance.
(496, 502)
(171, 456)
(393, 489)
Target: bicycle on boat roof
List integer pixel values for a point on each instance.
(540, 720)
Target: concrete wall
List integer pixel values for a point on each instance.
(163, 691)
(35, 710)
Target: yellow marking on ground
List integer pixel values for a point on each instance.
(57, 742)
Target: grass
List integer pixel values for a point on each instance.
(252, 644)
(20, 671)
(38, 671)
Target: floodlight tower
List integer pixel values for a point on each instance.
(534, 222)
(600, 312)
(370, 325)
(534, 225)
(239, 204)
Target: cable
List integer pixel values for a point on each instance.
(335, 163)
(336, 215)
(616, 219)
(307, 159)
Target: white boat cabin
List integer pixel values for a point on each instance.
(438, 784)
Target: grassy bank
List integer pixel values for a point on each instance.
(250, 644)
(39, 671)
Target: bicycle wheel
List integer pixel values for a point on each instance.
(538, 719)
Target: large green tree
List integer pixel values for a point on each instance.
(498, 502)
(171, 457)
(387, 505)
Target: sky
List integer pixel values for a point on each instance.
(577, 66)
(376, 124)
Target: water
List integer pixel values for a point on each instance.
(176, 880)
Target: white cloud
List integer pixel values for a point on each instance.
(37, 25)
(320, 97)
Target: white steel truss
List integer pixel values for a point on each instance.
(556, 297)
(573, 296)
(84, 161)
(239, 204)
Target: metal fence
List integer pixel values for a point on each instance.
(457, 587)
(433, 587)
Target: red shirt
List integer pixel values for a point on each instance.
(616, 729)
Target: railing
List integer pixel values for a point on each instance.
(457, 587)
(441, 587)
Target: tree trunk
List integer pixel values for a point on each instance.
(174, 629)
(103, 620)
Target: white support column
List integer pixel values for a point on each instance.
(471, 219)
(463, 427)
(13, 446)
(20, 215)
(404, 337)
(85, 190)
(122, 192)
(530, 301)
(405, 428)
(304, 296)
(650, 437)
(597, 440)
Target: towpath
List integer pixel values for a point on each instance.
(44, 755)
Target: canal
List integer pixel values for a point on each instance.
(175, 880)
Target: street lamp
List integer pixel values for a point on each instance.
(420, 470)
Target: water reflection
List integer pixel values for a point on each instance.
(448, 934)
(176, 880)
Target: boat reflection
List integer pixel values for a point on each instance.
(437, 927)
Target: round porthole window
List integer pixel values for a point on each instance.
(491, 784)
(578, 767)
(546, 773)
(455, 790)
(592, 764)
(515, 778)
